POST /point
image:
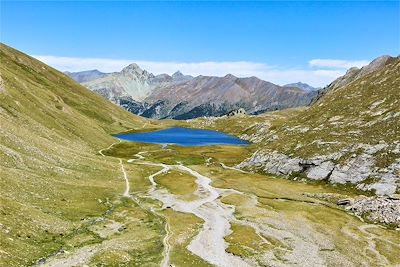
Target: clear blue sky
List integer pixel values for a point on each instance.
(285, 34)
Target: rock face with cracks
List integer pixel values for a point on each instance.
(354, 170)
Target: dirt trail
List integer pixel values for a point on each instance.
(127, 187)
(83, 255)
(167, 246)
(231, 168)
(110, 146)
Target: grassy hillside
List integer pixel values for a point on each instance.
(352, 132)
(365, 111)
(54, 184)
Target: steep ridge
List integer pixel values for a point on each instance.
(184, 97)
(355, 73)
(53, 185)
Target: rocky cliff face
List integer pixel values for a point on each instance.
(185, 97)
(351, 135)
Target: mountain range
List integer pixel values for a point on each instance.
(180, 96)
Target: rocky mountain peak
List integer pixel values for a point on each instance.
(161, 78)
(134, 69)
(177, 74)
(355, 73)
(230, 76)
(381, 60)
(132, 66)
(376, 64)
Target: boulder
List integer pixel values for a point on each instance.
(320, 172)
(343, 202)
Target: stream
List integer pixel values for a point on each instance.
(209, 244)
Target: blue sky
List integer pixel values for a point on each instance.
(279, 41)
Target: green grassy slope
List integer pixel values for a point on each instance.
(54, 184)
(366, 111)
(37, 94)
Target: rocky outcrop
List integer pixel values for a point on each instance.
(358, 169)
(237, 112)
(377, 209)
(320, 171)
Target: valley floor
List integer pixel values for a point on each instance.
(190, 207)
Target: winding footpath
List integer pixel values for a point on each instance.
(209, 244)
(127, 187)
(167, 246)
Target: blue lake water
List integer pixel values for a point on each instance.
(183, 137)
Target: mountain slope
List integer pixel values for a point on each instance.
(54, 184)
(350, 136)
(215, 96)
